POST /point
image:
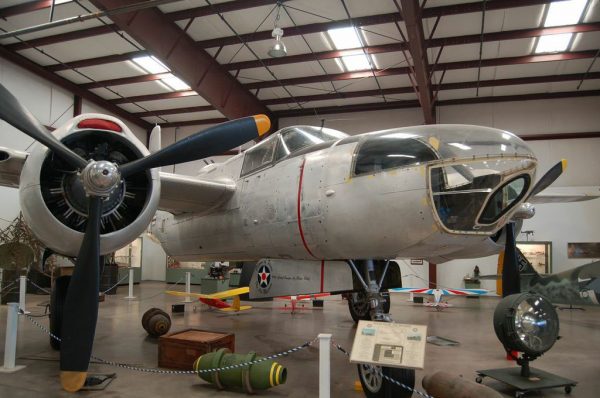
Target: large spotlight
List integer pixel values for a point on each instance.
(527, 323)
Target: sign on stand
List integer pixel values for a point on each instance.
(389, 344)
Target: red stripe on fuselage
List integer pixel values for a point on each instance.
(299, 205)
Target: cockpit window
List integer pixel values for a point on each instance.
(391, 151)
(296, 138)
(463, 191)
(503, 199)
(260, 155)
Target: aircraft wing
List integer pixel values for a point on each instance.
(219, 295)
(591, 270)
(565, 195)
(183, 194)
(446, 292)
(11, 163)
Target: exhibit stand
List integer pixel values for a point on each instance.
(10, 341)
(130, 296)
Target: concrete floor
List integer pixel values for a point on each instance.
(267, 330)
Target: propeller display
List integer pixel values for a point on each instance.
(99, 178)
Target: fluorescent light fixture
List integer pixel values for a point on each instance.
(57, 2)
(150, 64)
(356, 62)
(175, 83)
(553, 43)
(344, 38)
(503, 147)
(460, 146)
(565, 12)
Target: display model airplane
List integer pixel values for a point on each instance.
(301, 298)
(577, 286)
(217, 300)
(437, 294)
(319, 210)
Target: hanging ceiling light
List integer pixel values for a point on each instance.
(278, 49)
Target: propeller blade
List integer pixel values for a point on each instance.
(80, 310)
(212, 141)
(15, 114)
(548, 178)
(511, 282)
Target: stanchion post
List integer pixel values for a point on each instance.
(22, 292)
(188, 283)
(324, 365)
(1, 280)
(130, 296)
(10, 342)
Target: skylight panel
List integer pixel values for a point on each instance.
(565, 12)
(175, 83)
(553, 43)
(356, 62)
(344, 38)
(150, 64)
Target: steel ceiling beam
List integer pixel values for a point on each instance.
(107, 59)
(175, 111)
(229, 6)
(431, 12)
(415, 104)
(439, 42)
(125, 80)
(434, 87)
(61, 37)
(448, 66)
(193, 123)
(72, 87)
(411, 11)
(154, 97)
(163, 38)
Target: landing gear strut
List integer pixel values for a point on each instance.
(374, 304)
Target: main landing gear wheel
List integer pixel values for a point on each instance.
(57, 300)
(360, 308)
(376, 386)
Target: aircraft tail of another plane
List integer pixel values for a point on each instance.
(525, 268)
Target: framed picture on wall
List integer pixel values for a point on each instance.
(174, 264)
(583, 250)
(539, 255)
(130, 255)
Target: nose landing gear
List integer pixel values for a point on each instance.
(373, 303)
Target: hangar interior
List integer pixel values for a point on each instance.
(527, 67)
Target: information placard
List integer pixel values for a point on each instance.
(389, 344)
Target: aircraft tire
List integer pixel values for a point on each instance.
(376, 386)
(359, 306)
(57, 300)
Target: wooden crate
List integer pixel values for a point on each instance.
(180, 349)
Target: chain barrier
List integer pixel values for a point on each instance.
(116, 284)
(380, 373)
(4, 291)
(37, 286)
(177, 372)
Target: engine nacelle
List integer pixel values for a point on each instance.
(53, 200)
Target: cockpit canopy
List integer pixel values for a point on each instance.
(286, 142)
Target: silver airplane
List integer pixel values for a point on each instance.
(320, 211)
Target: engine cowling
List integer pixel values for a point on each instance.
(53, 199)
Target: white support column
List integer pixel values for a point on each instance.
(324, 365)
(130, 296)
(10, 342)
(188, 286)
(22, 292)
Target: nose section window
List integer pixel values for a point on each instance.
(503, 199)
(381, 153)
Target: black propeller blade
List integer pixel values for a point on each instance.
(80, 310)
(212, 141)
(19, 117)
(548, 178)
(511, 281)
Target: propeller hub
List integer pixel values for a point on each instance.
(100, 178)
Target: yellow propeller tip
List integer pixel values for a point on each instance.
(72, 381)
(263, 124)
(564, 164)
